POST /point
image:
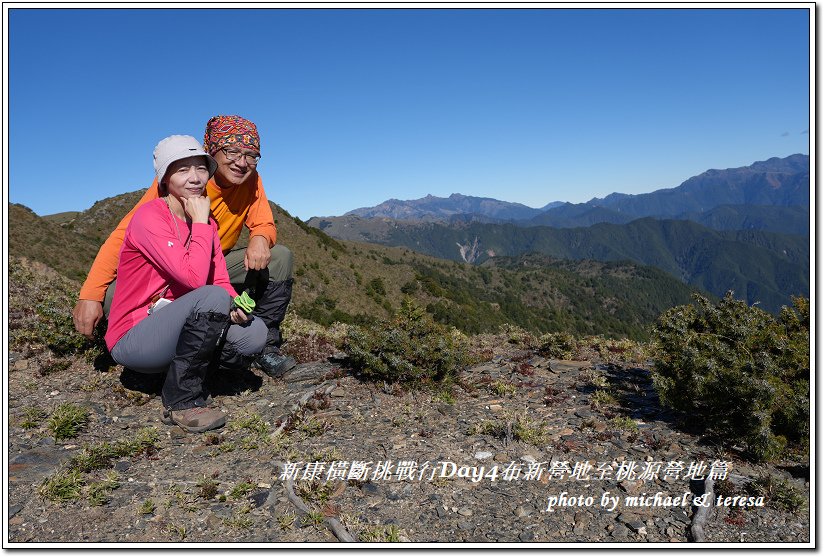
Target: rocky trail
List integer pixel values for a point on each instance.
(523, 449)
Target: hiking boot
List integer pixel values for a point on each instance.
(195, 420)
(274, 364)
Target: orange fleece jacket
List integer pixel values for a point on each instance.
(231, 208)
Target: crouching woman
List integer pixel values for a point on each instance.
(171, 253)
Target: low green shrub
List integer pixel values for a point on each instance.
(445, 396)
(41, 310)
(410, 287)
(602, 398)
(388, 533)
(529, 431)
(148, 507)
(557, 345)
(31, 417)
(624, 423)
(66, 485)
(67, 420)
(98, 492)
(410, 348)
(517, 425)
(502, 388)
(739, 371)
(40, 316)
(101, 455)
(517, 335)
(376, 287)
(617, 350)
(241, 490)
(58, 330)
(780, 493)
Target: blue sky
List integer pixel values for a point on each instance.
(356, 106)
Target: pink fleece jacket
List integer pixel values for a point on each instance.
(154, 255)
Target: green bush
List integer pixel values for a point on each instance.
(376, 287)
(324, 311)
(780, 492)
(517, 335)
(411, 348)
(557, 345)
(40, 306)
(738, 370)
(410, 287)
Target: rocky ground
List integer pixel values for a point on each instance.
(536, 422)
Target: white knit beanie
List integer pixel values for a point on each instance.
(175, 148)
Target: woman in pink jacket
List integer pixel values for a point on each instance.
(173, 302)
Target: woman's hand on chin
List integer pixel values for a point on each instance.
(197, 208)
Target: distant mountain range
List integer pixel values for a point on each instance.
(742, 229)
(431, 208)
(789, 220)
(775, 182)
(769, 195)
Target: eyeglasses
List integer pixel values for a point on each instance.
(234, 155)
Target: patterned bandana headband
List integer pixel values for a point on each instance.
(222, 131)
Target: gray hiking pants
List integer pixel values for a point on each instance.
(280, 269)
(280, 265)
(150, 346)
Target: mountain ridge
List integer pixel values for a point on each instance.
(760, 266)
(357, 283)
(432, 207)
(775, 182)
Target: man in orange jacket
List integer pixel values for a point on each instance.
(237, 198)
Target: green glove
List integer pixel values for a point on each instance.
(245, 302)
